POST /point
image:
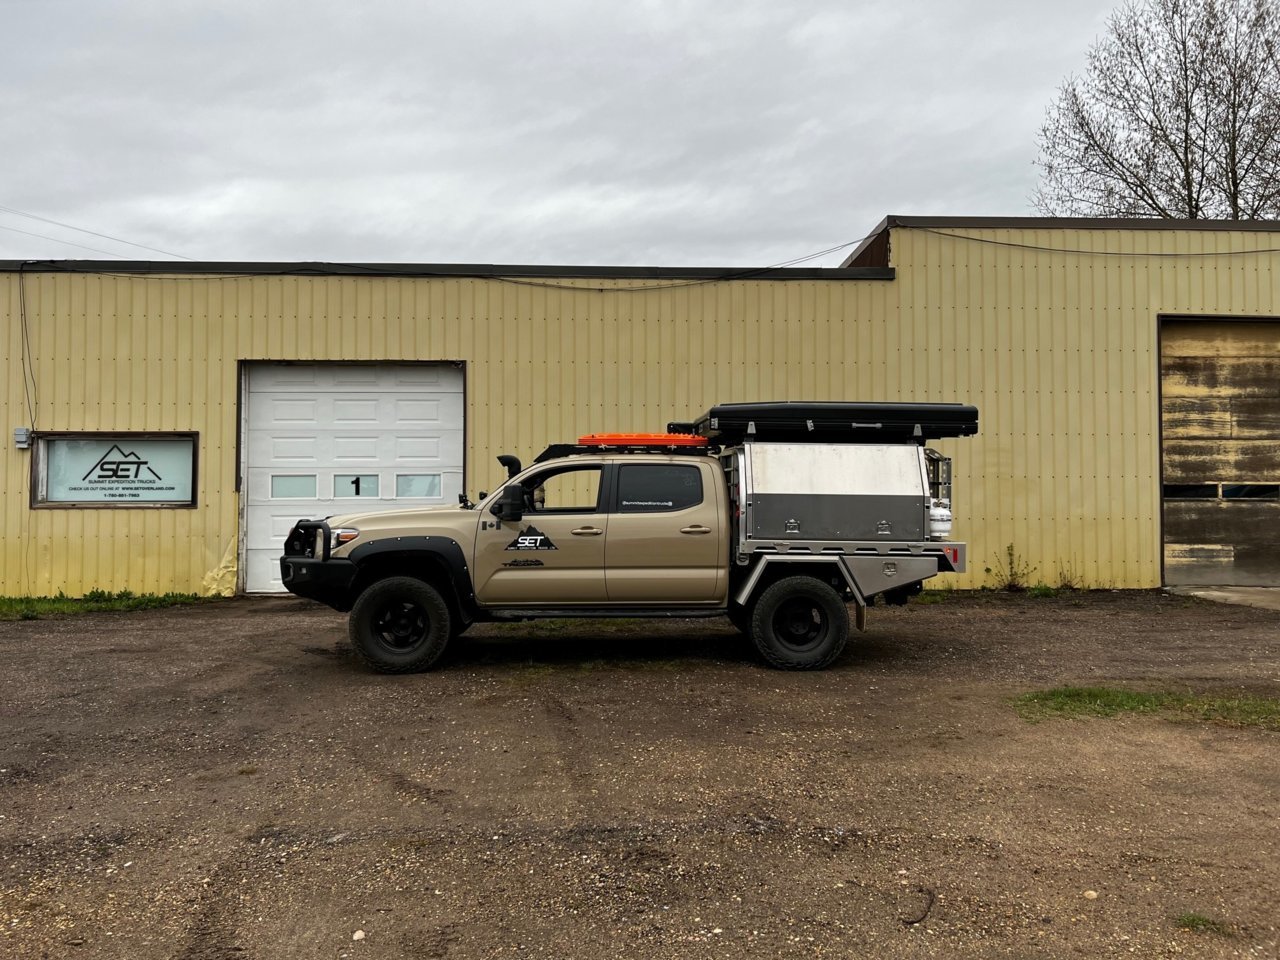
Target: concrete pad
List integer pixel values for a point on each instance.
(1268, 598)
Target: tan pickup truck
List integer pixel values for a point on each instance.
(776, 515)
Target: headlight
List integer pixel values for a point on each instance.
(342, 535)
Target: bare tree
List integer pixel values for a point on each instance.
(1177, 115)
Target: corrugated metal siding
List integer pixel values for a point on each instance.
(1054, 335)
(543, 363)
(1058, 350)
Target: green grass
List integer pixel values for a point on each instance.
(1199, 923)
(1109, 702)
(34, 608)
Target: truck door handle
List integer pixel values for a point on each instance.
(587, 532)
(696, 528)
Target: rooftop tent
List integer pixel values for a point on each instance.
(833, 422)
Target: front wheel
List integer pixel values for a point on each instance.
(400, 624)
(800, 623)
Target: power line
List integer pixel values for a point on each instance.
(1090, 253)
(92, 233)
(41, 236)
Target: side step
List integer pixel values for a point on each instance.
(601, 613)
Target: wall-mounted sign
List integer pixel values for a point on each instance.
(118, 469)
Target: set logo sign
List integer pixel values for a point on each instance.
(120, 470)
(532, 539)
(116, 465)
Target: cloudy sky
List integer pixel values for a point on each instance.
(670, 132)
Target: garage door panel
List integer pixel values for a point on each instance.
(418, 412)
(352, 410)
(418, 375)
(417, 449)
(292, 410)
(282, 377)
(1209, 376)
(1257, 566)
(1255, 418)
(1202, 417)
(355, 374)
(1198, 564)
(299, 450)
(1238, 522)
(1221, 461)
(344, 449)
(1219, 338)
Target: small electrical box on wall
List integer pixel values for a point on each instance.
(22, 437)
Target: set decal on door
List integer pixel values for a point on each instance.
(532, 539)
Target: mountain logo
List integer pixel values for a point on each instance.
(115, 464)
(532, 539)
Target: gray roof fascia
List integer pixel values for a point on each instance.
(469, 270)
(1058, 223)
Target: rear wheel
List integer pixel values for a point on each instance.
(400, 624)
(800, 623)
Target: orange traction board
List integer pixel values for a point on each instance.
(642, 440)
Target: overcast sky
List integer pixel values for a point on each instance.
(661, 132)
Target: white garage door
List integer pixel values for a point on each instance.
(331, 438)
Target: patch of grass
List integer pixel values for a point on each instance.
(1042, 590)
(1109, 701)
(1087, 702)
(1199, 923)
(932, 596)
(1012, 572)
(33, 608)
(1069, 578)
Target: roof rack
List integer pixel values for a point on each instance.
(833, 422)
(675, 443)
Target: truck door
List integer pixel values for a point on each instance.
(555, 555)
(667, 534)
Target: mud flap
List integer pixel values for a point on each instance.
(860, 617)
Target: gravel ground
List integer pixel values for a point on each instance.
(226, 781)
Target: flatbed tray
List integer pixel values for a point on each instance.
(832, 422)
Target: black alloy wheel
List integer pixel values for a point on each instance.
(400, 624)
(800, 623)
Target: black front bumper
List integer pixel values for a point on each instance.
(328, 581)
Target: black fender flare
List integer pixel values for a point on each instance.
(442, 553)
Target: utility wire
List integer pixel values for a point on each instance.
(28, 365)
(92, 233)
(41, 236)
(1090, 253)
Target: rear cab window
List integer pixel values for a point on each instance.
(658, 487)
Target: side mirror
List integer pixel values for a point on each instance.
(510, 504)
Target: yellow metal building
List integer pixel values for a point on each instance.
(1127, 374)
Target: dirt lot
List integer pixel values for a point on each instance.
(226, 782)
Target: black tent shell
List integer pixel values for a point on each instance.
(832, 422)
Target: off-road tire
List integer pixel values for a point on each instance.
(399, 625)
(800, 623)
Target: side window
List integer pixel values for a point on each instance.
(658, 487)
(565, 491)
